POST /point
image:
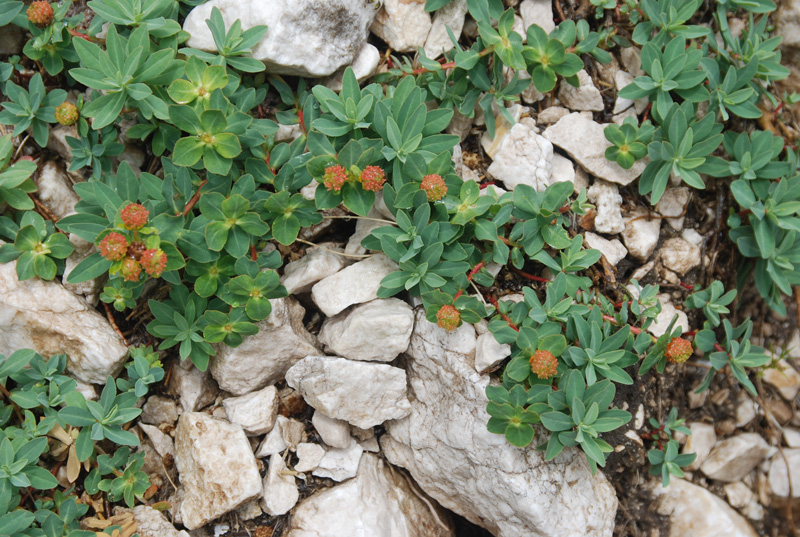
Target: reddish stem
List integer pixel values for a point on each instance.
(687, 286)
(190, 204)
(114, 323)
(253, 253)
(493, 301)
(530, 276)
(487, 183)
(470, 275)
(302, 121)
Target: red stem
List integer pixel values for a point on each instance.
(493, 300)
(530, 276)
(472, 273)
(190, 204)
(687, 286)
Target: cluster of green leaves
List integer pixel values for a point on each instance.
(665, 461)
(44, 404)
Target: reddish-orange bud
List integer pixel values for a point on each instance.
(448, 317)
(134, 216)
(114, 246)
(543, 364)
(678, 350)
(334, 178)
(372, 178)
(67, 113)
(40, 13)
(131, 269)
(154, 261)
(434, 187)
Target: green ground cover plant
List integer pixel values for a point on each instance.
(225, 190)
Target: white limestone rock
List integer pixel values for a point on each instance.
(308, 456)
(364, 66)
(700, 442)
(57, 141)
(376, 331)
(54, 189)
(158, 410)
(254, 412)
(613, 250)
(551, 115)
(264, 358)
(364, 394)
(376, 503)
(151, 523)
(335, 433)
(304, 37)
(608, 202)
(196, 389)
(318, 263)
(537, 12)
(217, 468)
(445, 446)
(450, 16)
(523, 157)
(355, 284)
(339, 464)
(673, 204)
(785, 379)
(403, 24)
(161, 442)
(293, 433)
(280, 489)
(679, 255)
(780, 475)
(46, 317)
(584, 97)
(735, 457)
(664, 318)
(489, 353)
(694, 510)
(621, 80)
(641, 233)
(502, 127)
(563, 170)
(273, 442)
(583, 139)
(90, 289)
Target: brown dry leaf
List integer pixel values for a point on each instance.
(73, 465)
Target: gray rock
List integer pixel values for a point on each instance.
(613, 250)
(585, 97)
(299, 276)
(217, 468)
(583, 139)
(335, 433)
(551, 115)
(195, 388)
(679, 255)
(48, 318)
(280, 489)
(641, 233)
(700, 442)
(450, 16)
(57, 140)
(364, 66)
(538, 12)
(780, 475)
(694, 511)
(489, 353)
(735, 457)
(90, 289)
(339, 464)
(264, 358)
(445, 446)
(664, 318)
(355, 284)
(378, 502)
(305, 37)
(523, 157)
(54, 189)
(158, 410)
(376, 331)
(673, 203)
(273, 442)
(151, 523)
(606, 198)
(12, 39)
(402, 24)
(254, 412)
(308, 456)
(784, 378)
(364, 394)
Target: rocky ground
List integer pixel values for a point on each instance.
(353, 415)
